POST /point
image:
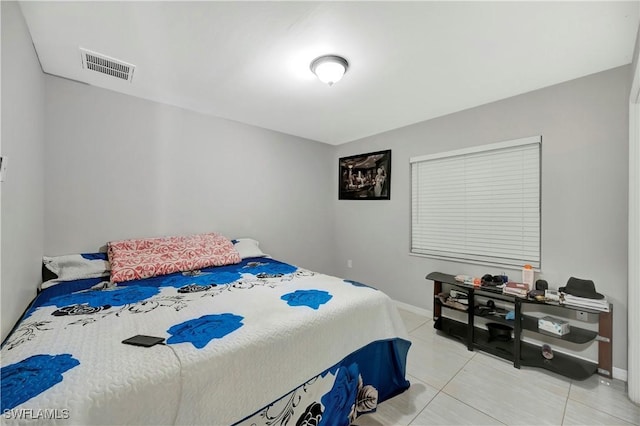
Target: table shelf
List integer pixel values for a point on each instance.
(575, 335)
(522, 353)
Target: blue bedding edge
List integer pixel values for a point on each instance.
(382, 364)
(57, 290)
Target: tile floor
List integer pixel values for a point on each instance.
(453, 386)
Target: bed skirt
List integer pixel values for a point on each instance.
(354, 386)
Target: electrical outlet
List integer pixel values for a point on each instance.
(349, 264)
(582, 315)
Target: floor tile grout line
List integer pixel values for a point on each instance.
(569, 398)
(603, 412)
(495, 358)
(417, 327)
(566, 403)
(458, 372)
(475, 408)
(462, 402)
(439, 390)
(423, 408)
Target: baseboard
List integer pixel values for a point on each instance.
(414, 309)
(620, 374)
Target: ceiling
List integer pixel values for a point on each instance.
(409, 61)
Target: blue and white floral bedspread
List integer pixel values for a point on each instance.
(260, 342)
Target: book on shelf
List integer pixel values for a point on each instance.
(518, 293)
(520, 286)
(516, 289)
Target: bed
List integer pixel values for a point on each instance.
(258, 341)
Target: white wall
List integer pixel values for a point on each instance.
(584, 128)
(122, 167)
(22, 194)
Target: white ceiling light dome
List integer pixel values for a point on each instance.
(329, 68)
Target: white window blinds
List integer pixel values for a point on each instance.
(480, 204)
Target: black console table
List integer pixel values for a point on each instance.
(516, 350)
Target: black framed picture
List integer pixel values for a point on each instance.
(365, 176)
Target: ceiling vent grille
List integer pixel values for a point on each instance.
(106, 65)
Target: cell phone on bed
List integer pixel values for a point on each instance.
(142, 340)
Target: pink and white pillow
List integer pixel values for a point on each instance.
(149, 257)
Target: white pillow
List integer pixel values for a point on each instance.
(248, 248)
(75, 267)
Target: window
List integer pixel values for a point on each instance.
(479, 205)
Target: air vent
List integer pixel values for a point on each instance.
(106, 65)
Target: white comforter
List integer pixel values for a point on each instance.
(232, 348)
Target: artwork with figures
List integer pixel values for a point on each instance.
(365, 176)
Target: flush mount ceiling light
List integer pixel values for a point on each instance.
(329, 68)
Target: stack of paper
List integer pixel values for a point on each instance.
(583, 302)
